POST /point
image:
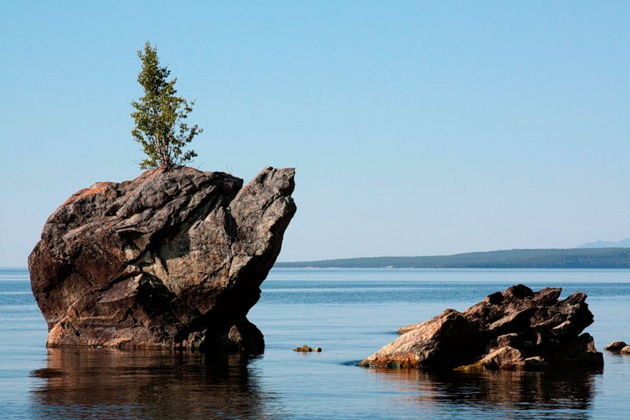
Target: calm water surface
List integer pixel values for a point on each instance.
(350, 313)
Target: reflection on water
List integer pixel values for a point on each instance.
(557, 394)
(109, 383)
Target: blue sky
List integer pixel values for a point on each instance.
(415, 127)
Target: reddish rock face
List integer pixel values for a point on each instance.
(513, 329)
(169, 260)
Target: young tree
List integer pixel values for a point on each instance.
(160, 116)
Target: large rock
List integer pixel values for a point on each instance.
(168, 260)
(516, 329)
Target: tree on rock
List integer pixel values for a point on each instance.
(160, 116)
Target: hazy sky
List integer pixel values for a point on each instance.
(415, 127)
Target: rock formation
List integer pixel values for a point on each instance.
(168, 260)
(515, 329)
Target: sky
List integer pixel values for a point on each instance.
(415, 127)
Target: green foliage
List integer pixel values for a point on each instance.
(515, 258)
(160, 116)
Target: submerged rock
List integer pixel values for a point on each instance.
(307, 349)
(615, 346)
(516, 329)
(168, 260)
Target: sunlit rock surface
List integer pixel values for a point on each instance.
(168, 260)
(516, 329)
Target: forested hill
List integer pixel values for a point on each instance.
(514, 258)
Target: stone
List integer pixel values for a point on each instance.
(407, 328)
(625, 350)
(307, 349)
(438, 342)
(615, 346)
(505, 340)
(535, 363)
(517, 329)
(169, 260)
(502, 358)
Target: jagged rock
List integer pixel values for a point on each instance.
(168, 260)
(432, 343)
(615, 346)
(516, 329)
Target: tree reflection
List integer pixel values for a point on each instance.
(109, 383)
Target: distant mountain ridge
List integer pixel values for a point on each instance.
(514, 258)
(624, 243)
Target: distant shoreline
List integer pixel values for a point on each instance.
(609, 258)
(594, 258)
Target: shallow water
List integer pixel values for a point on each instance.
(350, 313)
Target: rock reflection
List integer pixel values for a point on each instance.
(556, 394)
(108, 383)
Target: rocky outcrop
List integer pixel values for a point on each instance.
(169, 260)
(516, 329)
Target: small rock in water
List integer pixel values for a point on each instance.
(307, 349)
(625, 350)
(615, 346)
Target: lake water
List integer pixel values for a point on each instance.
(350, 313)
